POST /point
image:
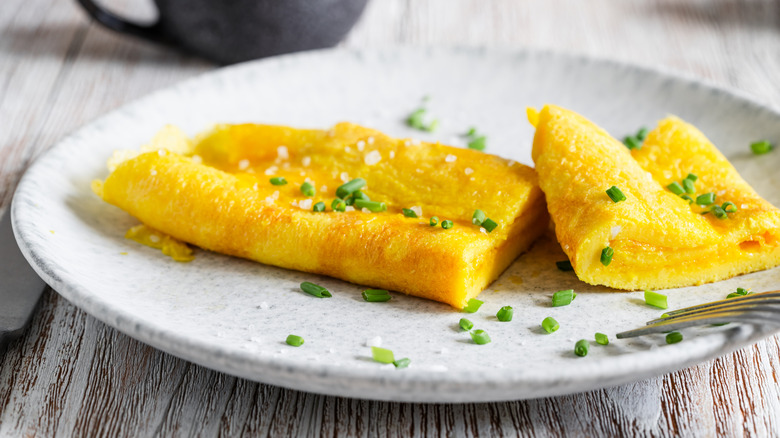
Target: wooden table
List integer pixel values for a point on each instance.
(72, 375)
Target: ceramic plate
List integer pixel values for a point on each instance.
(233, 315)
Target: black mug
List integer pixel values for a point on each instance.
(229, 31)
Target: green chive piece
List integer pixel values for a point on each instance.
(478, 217)
(687, 198)
(761, 147)
(674, 337)
(357, 194)
(489, 225)
(632, 142)
(602, 339)
(719, 212)
(402, 363)
(278, 181)
(447, 224)
(676, 188)
(641, 135)
(550, 325)
(692, 177)
(471, 132)
(564, 265)
(563, 297)
(415, 119)
(308, 189)
(376, 295)
(478, 143)
(705, 199)
(581, 348)
(729, 207)
(473, 305)
(615, 194)
(505, 314)
(349, 188)
(741, 292)
(434, 221)
(480, 337)
(606, 256)
(294, 340)
(373, 206)
(319, 207)
(350, 200)
(382, 355)
(465, 324)
(688, 186)
(656, 300)
(432, 126)
(338, 205)
(408, 212)
(315, 289)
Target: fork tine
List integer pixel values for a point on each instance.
(766, 304)
(771, 316)
(761, 296)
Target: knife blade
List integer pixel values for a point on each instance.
(20, 286)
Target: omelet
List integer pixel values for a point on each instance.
(658, 236)
(277, 195)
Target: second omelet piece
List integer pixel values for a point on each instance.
(239, 190)
(658, 238)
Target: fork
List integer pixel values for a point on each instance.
(756, 308)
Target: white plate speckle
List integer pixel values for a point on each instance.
(234, 315)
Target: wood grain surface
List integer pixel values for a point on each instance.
(71, 375)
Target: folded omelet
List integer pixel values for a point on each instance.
(657, 239)
(217, 193)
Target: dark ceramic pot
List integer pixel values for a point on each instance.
(229, 31)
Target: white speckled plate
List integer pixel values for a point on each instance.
(234, 315)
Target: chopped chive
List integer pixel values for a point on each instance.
(615, 194)
(376, 295)
(564, 265)
(319, 207)
(761, 147)
(402, 363)
(373, 206)
(432, 126)
(465, 324)
(338, 205)
(692, 177)
(563, 297)
(606, 256)
(656, 300)
(357, 194)
(478, 217)
(315, 289)
(308, 189)
(350, 187)
(349, 200)
(294, 340)
(550, 325)
(278, 181)
(687, 198)
(415, 119)
(447, 224)
(674, 337)
(581, 348)
(632, 142)
(688, 186)
(719, 212)
(489, 225)
(480, 337)
(705, 199)
(478, 143)
(434, 221)
(473, 305)
(505, 314)
(641, 135)
(471, 132)
(408, 212)
(602, 339)
(676, 188)
(729, 207)
(382, 355)
(741, 292)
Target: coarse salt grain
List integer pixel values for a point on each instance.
(450, 158)
(392, 154)
(615, 230)
(360, 145)
(271, 170)
(324, 189)
(154, 238)
(153, 172)
(365, 210)
(743, 206)
(254, 186)
(417, 210)
(370, 140)
(468, 171)
(243, 164)
(482, 230)
(197, 159)
(282, 152)
(344, 176)
(347, 149)
(349, 208)
(306, 161)
(372, 158)
(305, 204)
